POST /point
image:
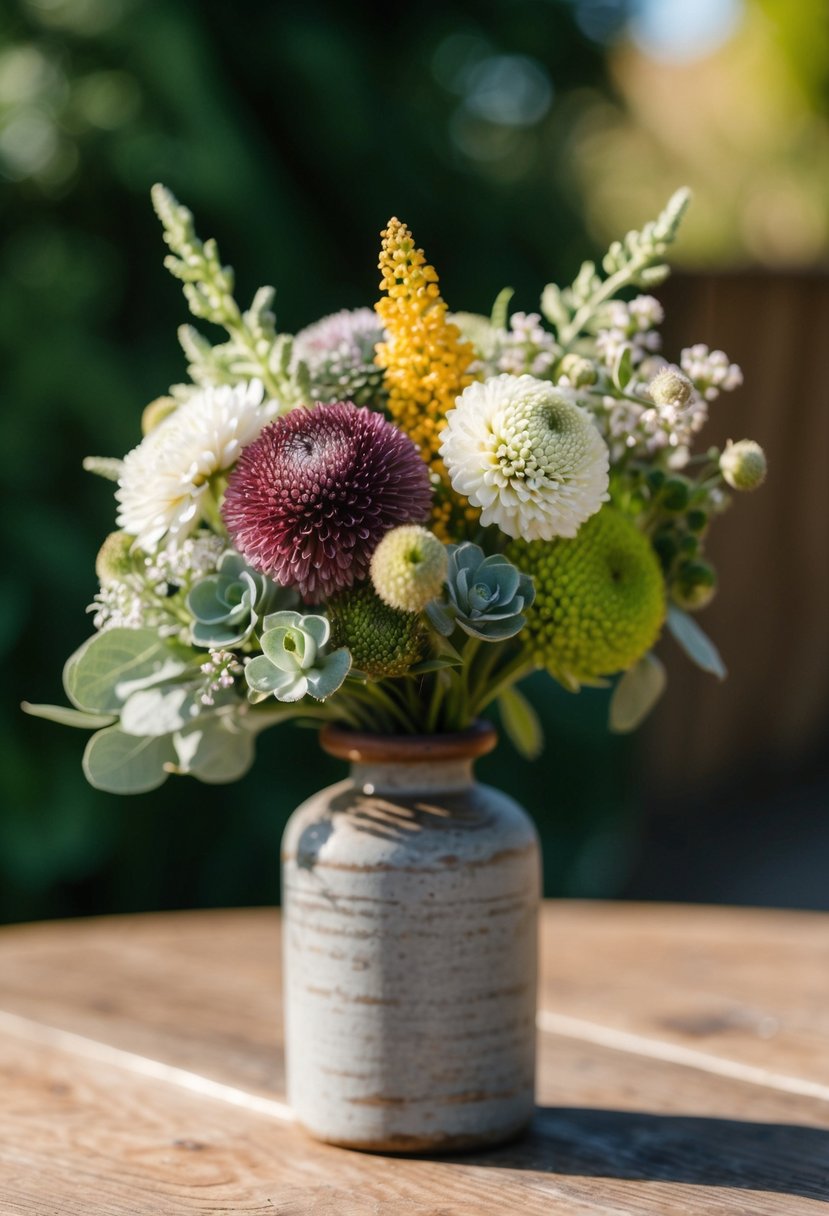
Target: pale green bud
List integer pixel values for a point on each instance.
(578, 370)
(408, 568)
(115, 560)
(670, 387)
(743, 464)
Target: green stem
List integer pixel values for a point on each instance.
(509, 675)
(605, 291)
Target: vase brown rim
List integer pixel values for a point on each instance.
(357, 746)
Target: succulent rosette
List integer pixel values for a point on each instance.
(486, 596)
(294, 662)
(227, 605)
(459, 500)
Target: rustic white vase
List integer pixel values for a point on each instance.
(410, 896)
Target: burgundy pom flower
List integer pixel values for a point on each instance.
(311, 497)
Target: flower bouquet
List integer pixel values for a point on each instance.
(390, 519)
(382, 525)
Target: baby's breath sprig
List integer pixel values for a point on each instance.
(255, 349)
(635, 261)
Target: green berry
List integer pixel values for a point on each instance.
(675, 494)
(697, 520)
(694, 585)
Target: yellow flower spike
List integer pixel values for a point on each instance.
(426, 365)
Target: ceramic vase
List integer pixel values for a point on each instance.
(410, 899)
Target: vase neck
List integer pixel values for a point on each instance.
(400, 777)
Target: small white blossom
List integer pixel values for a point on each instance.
(710, 371)
(221, 670)
(526, 347)
(632, 326)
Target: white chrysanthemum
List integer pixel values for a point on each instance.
(163, 480)
(408, 568)
(527, 455)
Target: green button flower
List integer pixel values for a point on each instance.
(292, 663)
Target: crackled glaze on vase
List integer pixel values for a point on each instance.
(410, 897)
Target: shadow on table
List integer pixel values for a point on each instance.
(780, 1157)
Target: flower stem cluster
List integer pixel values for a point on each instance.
(254, 349)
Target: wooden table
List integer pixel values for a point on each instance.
(684, 1068)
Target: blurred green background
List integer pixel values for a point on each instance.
(515, 137)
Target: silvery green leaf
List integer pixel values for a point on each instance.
(500, 309)
(263, 677)
(553, 307)
(636, 694)
(521, 723)
(216, 749)
(126, 764)
(623, 372)
(695, 642)
(439, 618)
(159, 711)
(329, 675)
(493, 629)
(104, 466)
(109, 666)
(67, 716)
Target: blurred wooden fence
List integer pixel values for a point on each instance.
(770, 618)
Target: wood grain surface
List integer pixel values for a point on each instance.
(684, 1069)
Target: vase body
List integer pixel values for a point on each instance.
(410, 897)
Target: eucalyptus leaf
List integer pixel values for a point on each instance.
(521, 723)
(110, 666)
(216, 749)
(695, 642)
(67, 716)
(159, 711)
(126, 764)
(636, 694)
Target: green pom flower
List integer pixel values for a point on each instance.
(227, 605)
(382, 641)
(743, 464)
(600, 599)
(293, 662)
(487, 596)
(116, 558)
(408, 568)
